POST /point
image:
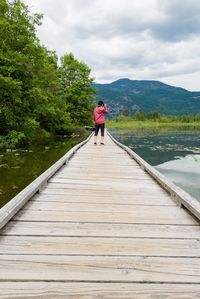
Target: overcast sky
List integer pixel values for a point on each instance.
(136, 39)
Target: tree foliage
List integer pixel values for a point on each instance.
(37, 96)
(77, 90)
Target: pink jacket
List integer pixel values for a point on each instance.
(99, 115)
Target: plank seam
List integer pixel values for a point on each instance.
(96, 237)
(104, 255)
(129, 223)
(104, 281)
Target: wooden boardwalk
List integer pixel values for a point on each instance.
(101, 228)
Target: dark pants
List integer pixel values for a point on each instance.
(97, 127)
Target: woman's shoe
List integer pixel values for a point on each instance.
(102, 143)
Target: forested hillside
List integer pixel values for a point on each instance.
(40, 96)
(131, 96)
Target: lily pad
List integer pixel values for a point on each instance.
(4, 165)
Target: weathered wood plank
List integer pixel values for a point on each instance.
(88, 173)
(106, 186)
(105, 269)
(137, 199)
(127, 184)
(106, 189)
(100, 246)
(101, 230)
(85, 207)
(59, 290)
(109, 172)
(101, 169)
(141, 214)
(79, 164)
(104, 193)
(94, 177)
(85, 290)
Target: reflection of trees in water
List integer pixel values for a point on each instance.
(20, 167)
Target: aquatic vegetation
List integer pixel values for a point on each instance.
(4, 165)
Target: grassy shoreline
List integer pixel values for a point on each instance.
(131, 124)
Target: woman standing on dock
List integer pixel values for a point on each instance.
(99, 119)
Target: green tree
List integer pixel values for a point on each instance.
(125, 112)
(197, 117)
(155, 115)
(30, 97)
(48, 107)
(17, 60)
(140, 116)
(76, 88)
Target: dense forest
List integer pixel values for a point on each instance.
(41, 96)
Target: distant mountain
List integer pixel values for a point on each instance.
(147, 96)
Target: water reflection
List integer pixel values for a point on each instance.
(174, 153)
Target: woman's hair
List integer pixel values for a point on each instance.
(100, 103)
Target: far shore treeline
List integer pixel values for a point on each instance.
(40, 95)
(154, 119)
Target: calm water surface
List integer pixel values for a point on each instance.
(176, 154)
(20, 167)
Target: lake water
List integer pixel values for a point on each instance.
(20, 167)
(176, 154)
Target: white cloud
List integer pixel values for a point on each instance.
(146, 39)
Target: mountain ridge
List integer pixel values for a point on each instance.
(147, 95)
